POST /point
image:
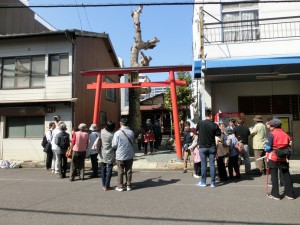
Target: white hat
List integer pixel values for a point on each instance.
(93, 127)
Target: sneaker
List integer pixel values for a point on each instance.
(129, 188)
(196, 176)
(290, 197)
(273, 197)
(201, 184)
(213, 184)
(119, 189)
(184, 171)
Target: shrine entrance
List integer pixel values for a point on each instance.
(172, 82)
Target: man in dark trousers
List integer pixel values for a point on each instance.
(242, 133)
(207, 131)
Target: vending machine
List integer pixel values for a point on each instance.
(225, 117)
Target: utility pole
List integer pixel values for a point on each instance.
(202, 57)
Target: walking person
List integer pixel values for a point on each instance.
(258, 132)
(123, 144)
(207, 131)
(49, 154)
(107, 154)
(242, 133)
(278, 152)
(63, 142)
(187, 141)
(93, 152)
(80, 141)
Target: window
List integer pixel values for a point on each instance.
(110, 94)
(58, 64)
(240, 22)
(24, 127)
(23, 72)
(103, 118)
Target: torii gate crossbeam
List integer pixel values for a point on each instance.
(117, 71)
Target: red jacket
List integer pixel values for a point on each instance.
(280, 139)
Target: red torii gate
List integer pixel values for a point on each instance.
(154, 69)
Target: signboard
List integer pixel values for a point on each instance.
(226, 117)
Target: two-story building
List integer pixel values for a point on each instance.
(247, 60)
(40, 78)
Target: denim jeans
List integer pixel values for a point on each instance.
(209, 153)
(106, 173)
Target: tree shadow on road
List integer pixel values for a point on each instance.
(153, 182)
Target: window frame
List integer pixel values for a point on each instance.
(241, 26)
(25, 124)
(60, 55)
(110, 93)
(17, 74)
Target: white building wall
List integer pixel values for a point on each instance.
(56, 87)
(280, 47)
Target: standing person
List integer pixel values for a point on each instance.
(107, 154)
(242, 133)
(93, 152)
(63, 142)
(140, 138)
(49, 154)
(233, 162)
(80, 141)
(157, 134)
(232, 123)
(123, 144)
(222, 153)
(258, 132)
(187, 141)
(207, 131)
(278, 152)
(195, 153)
(55, 148)
(149, 137)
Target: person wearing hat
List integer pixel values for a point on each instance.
(107, 154)
(233, 161)
(80, 142)
(278, 151)
(92, 150)
(123, 144)
(259, 133)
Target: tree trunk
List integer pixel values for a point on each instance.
(134, 93)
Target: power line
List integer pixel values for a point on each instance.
(7, 5)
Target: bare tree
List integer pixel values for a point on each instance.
(138, 45)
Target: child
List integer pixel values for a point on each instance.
(195, 153)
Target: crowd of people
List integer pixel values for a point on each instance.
(208, 141)
(109, 146)
(228, 144)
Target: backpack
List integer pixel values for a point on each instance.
(63, 140)
(196, 152)
(44, 141)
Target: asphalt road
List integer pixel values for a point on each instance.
(35, 196)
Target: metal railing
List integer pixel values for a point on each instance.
(254, 30)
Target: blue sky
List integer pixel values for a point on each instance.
(172, 25)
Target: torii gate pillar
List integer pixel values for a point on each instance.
(116, 71)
